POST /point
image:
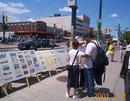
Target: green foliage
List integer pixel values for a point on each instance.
(126, 36)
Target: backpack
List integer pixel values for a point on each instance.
(101, 59)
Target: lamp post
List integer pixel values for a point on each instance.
(99, 34)
(73, 5)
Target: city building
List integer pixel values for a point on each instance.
(28, 28)
(64, 23)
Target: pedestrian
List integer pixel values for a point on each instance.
(82, 48)
(122, 50)
(90, 54)
(73, 72)
(125, 72)
(111, 50)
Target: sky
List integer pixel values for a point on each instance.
(113, 13)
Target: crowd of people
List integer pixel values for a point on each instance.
(82, 55)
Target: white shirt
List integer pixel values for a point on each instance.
(82, 49)
(91, 50)
(72, 54)
(129, 63)
(128, 47)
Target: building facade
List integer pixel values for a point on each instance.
(64, 23)
(27, 27)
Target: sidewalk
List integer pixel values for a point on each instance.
(51, 89)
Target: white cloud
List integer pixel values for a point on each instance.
(114, 15)
(31, 19)
(12, 18)
(14, 4)
(65, 9)
(13, 8)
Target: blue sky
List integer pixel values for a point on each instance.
(114, 11)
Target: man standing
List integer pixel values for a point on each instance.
(90, 54)
(125, 72)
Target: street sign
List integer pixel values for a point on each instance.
(72, 3)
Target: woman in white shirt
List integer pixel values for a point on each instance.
(73, 74)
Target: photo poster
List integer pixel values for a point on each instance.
(23, 63)
(41, 59)
(36, 62)
(47, 59)
(6, 73)
(55, 63)
(29, 62)
(15, 64)
(62, 56)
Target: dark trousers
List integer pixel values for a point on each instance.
(73, 77)
(127, 85)
(82, 78)
(89, 81)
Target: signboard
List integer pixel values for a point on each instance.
(72, 3)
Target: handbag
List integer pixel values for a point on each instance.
(69, 67)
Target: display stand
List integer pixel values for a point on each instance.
(35, 75)
(4, 89)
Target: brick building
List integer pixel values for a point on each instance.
(28, 28)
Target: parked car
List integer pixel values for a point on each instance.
(36, 43)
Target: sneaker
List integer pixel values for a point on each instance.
(67, 95)
(75, 97)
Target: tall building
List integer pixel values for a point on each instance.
(64, 23)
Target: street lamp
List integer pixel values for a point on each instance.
(98, 35)
(73, 5)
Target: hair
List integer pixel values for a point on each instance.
(90, 35)
(75, 44)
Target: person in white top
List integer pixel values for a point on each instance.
(73, 73)
(82, 48)
(90, 54)
(125, 72)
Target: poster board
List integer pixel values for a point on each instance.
(35, 61)
(6, 74)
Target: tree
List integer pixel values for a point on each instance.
(126, 36)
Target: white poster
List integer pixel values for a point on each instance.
(15, 64)
(36, 62)
(23, 63)
(29, 62)
(6, 74)
(62, 56)
(41, 59)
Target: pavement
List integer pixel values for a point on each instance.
(53, 88)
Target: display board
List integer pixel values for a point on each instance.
(62, 57)
(19, 64)
(6, 74)
(35, 60)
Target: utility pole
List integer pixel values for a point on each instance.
(119, 31)
(99, 23)
(3, 27)
(73, 5)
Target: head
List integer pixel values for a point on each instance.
(81, 41)
(75, 44)
(89, 36)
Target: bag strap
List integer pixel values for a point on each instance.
(75, 57)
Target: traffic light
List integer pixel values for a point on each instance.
(105, 30)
